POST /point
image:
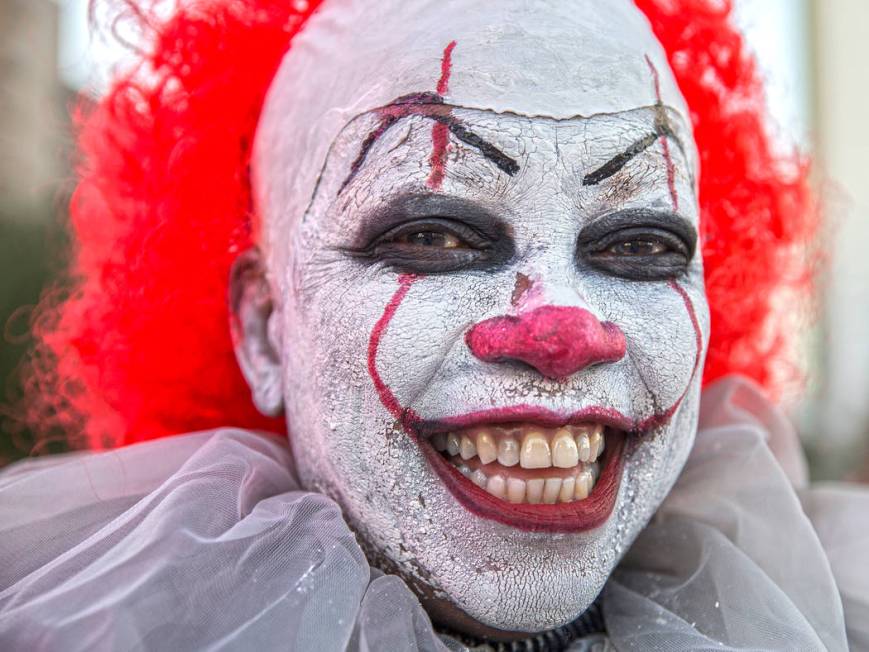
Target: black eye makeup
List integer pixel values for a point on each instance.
(638, 244)
(432, 234)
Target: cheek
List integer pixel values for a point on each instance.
(664, 324)
(360, 346)
(427, 328)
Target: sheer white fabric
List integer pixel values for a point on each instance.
(203, 542)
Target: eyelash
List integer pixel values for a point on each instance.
(452, 241)
(461, 235)
(463, 247)
(666, 242)
(669, 257)
(657, 245)
(439, 245)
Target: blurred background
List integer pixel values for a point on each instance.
(814, 54)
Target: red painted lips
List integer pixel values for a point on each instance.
(576, 516)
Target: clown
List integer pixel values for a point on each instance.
(463, 249)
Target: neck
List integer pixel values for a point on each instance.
(553, 640)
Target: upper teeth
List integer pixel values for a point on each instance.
(531, 447)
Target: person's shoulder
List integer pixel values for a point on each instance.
(98, 485)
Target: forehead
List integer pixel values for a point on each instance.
(511, 163)
(533, 58)
(511, 143)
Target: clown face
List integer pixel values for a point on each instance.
(486, 328)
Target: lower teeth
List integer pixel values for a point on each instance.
(535, 490)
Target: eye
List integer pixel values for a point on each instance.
(433, 245)
(431, 239)
(638, 247)
(635, 252)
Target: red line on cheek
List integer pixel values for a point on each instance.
(692, 314)
(389, 400)
(665, 144)
(662, 418)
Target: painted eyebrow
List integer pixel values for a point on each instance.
(617, 162)
(431, 106)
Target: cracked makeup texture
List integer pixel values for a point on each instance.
(335, 288)
(519, 172)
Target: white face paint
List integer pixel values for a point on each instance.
(426, 217)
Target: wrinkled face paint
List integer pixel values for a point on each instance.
(433, 287)
(487, 303)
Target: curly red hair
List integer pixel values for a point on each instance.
(140, 346)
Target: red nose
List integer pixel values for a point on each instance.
(556, 340)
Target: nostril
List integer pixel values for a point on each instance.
(556, 340)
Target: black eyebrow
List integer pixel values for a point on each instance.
(431, 106)
(617, 162)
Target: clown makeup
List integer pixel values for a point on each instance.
(488, 329)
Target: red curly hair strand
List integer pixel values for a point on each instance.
(140, 348)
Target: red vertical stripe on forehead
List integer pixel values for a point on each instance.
(446, 69)
(665, 144)
(440, 134)
(440, 138)
(656, 78)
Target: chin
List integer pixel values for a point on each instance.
(505, 521)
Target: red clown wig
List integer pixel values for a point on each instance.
(139, 347)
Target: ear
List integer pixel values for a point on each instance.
(253, 325)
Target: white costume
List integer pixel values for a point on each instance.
(204, 542)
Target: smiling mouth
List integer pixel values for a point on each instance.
(524, 463)
(533, 475)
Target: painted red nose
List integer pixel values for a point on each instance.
(556, 340)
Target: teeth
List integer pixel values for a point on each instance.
(568, 446)
(567, 489)
(487, 449)
(453, 444)
(564, 451)
(515, 490)
(479, 479)
(596, 439)
(551, 490)
(508, 451)
(497, 486)
(584, 447)
(534, 491)
(535, 451)
(575, 447)
(467, 448)
(584, 482)
(439, 441)
(538, 490)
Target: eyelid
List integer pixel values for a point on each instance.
(406, 207)
(635, 220)
(455, 228)
(614, 238)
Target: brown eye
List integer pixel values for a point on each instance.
(637, 248)
(436, 245)
(433, 239)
